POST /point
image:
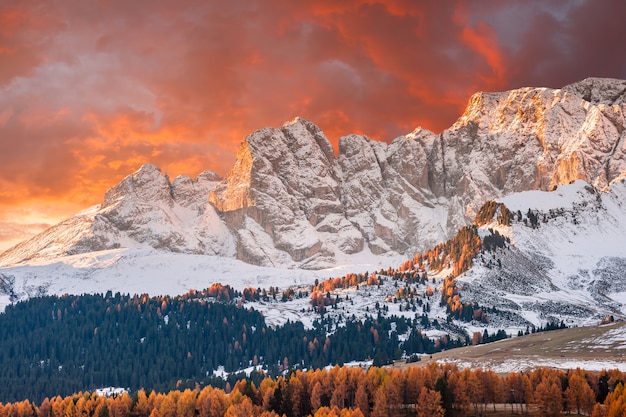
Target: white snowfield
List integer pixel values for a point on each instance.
(153, 272)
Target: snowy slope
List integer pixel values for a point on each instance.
(570, 268)
(572, 265)
(154, 272)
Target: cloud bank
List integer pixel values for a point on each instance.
(89, 91)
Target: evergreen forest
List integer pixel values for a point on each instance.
(61, 345)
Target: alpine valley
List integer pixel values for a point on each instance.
(511, 219)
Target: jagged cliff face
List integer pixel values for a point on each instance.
(290, 201)
(539, 138)
(284, 184)
(412, 193)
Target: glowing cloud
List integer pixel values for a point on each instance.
(89, 92)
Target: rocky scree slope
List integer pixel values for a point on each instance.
(289, 201)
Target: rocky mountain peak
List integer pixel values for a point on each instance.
(594, 90)
(146, 183)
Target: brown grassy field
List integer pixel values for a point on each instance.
(592, 348)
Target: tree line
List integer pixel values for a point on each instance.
(427, 391)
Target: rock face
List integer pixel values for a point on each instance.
(285, 190)
(289, 201)
(410, 194)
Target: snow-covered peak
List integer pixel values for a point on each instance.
(192, 193)
(143, 210)
(146, 183)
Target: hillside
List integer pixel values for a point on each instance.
(556, 265)
(593, 348)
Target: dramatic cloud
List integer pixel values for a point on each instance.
(90, 90)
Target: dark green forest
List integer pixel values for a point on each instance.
(60, 345)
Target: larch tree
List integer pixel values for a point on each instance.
(186, 404)
(340, 388)
(381, 404)
(548, 396)
(579, 394)
(458, 388)
(429, 404)
(45, 409)
(167, 407)
(212, 402)
(243, 408)
(361, 399)
(298, 397)
(316, 396)
(266, 392)
(142, 406)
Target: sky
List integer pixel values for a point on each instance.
(92, 89)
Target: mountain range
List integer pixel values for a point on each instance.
(290, 204)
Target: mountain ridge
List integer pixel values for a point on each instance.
(289, 201)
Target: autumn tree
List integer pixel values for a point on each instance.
(167, 407)
(340, 387)
(186, 404)
(381, 404)
(458, 388)
(491, 385)
(614, 404)
(243, 408)
(548, 395)
(579, 394)
(45, 409)
(212, 402)
(429, 404)
(316, 396)
(266, 392)
(361, 399)
(142, 406)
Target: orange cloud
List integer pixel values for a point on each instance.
(88, 94)
(483, 40)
